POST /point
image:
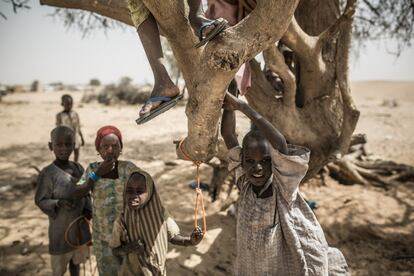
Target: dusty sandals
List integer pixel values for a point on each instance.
(167, 103)
(219, 25)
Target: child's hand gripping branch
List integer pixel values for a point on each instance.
(230, 104)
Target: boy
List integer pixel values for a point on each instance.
(277, 233)
(142, 232)
(53, 197)
(70, 118)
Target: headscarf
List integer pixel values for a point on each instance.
(106, 130)
(148, 223)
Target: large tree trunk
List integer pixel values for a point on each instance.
(327, 119)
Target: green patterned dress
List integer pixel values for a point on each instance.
(107, 196)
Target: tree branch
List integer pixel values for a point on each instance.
(115, 9)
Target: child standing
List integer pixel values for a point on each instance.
(277, 233)
(53, 197)
(142, 231)
(70, 118)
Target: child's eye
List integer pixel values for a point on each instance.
(250, 161)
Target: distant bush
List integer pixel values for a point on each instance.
(94, 82)
(122, 93)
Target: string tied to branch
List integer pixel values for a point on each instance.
(199, 202)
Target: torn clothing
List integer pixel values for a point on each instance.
(150, 224)
(279, 235)
(54, 184)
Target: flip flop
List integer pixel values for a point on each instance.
(167, 103)
(220, 24)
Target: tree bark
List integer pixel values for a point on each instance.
(326, 121)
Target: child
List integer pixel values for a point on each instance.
(142, 231)
(277, 233)
(165, 93)
(70, 118)
(53, 197)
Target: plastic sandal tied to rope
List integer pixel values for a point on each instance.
(199, 194)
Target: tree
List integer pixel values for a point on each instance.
(328, 117)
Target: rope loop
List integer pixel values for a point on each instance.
(199, 194)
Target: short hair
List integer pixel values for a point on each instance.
(66, 97)
(61, 130)
(253, 134)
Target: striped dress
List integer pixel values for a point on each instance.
(149, 224)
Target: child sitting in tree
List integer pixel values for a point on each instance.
(53, 197)
(277, 233)
(165, 94)
(141, 233)
(70, 118)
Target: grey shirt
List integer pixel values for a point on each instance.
(54, 184)
(280, 235)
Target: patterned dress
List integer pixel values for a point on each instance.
(280, 235)
(107, 196)
(70, 120)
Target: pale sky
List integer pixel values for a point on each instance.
(34, 46)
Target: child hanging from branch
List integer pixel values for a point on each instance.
(277, 233)
(142, 231)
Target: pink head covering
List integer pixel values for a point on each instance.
(106, 130)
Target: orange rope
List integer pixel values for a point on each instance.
(199, 194)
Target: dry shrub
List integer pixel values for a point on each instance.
(122, 93)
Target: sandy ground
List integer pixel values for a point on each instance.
(374, 228)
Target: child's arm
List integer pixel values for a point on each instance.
(125, 249)
(87, 182)
(228, 126)
(80, 132)
(58, 119)
(195, 238)
(118, 243)
(275, 138)
(44, 197)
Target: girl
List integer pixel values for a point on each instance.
(142, 231)
(106, 181)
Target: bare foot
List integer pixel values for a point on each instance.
(169, 90)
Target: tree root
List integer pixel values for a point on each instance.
(359, 167)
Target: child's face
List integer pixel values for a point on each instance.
(110, 147)
(67, 104)
(136, 191)
(62, 145)
(257, 161)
